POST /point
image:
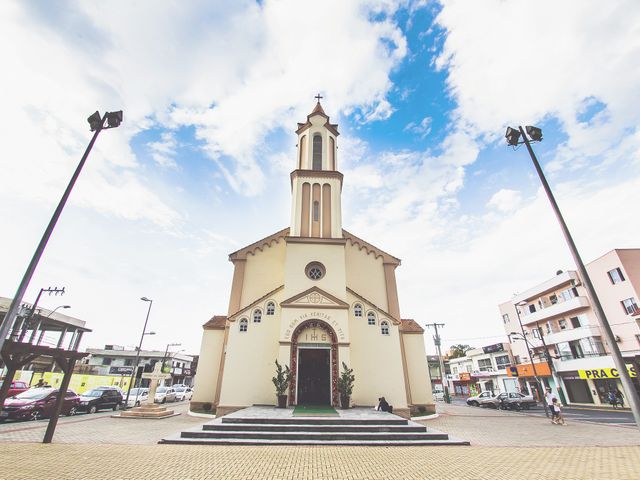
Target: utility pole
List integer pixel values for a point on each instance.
(437, 342)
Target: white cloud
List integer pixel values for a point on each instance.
(164, 150)
(421, 129)
(505, 200)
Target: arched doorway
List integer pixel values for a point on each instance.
(314, 364)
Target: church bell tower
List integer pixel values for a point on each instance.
(316, 182)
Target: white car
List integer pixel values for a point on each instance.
(438, 395)
(183, 393)
(137, 396)
(164, 395)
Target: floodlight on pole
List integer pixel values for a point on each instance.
(96, 123)
(632, 395)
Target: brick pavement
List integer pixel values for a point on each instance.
(504, 447)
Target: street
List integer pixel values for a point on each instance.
(586, 414)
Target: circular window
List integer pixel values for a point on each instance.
(315, 270)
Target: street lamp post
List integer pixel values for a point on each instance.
(533, 363)
(135, 363)
(512, 135)
(97, 124)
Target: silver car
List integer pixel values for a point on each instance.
(480, 400)
(165, 394)
(511, 401)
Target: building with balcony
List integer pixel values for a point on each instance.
(116, 360)
(556, 316)
(482, 369)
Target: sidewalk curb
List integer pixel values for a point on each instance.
(599, 409)
(426, 417)
(201, 415)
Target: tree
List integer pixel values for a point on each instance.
(459, 350)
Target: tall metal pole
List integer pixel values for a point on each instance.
(533, 363)
(22, 288)
(437, 342)
(135, 363)
(552, 369)
(618, 360)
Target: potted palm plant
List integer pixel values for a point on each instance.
(345, 385)
(281, 382)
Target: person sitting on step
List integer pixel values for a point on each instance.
(384, 405)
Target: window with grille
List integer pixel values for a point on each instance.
(257, 315)
(357, 310)
(484, 365)
(271, 308)
(384, 327)
(371, 318)
(244, 325)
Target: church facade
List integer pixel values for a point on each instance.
(313, 296)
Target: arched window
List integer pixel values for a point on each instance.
(271, 308)
(371, 318)
(357, 310)
(244, 324)
(317, 152)
(384, 327)
(257, 315)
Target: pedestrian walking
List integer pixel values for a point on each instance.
(619, 398)
(548, 400)
(611, 397)
(556, 413)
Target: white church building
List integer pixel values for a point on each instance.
(313, 296)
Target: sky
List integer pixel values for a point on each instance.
(212, 91)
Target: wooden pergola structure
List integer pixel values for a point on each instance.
(25, 344)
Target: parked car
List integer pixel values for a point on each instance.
(183, 393)
(17, 387)
(38, 403)
(101, 398)
(512, 401)
(438, 394)
(479, 400)
(137, 396)
(165, 394)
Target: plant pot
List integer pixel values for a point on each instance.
(344, 402)
(282, 401)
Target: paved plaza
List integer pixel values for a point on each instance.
(505, 445)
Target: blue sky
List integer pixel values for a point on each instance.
(422, 92)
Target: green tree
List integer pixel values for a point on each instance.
(459, 350)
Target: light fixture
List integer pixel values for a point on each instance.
(95, 121)
(512, 136)
(114, 119)
(535, 134)
(145, 299)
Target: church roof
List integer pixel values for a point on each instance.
(318, 110)
(365, 300)
(408, 325)
(259, 245)
(217, 322)
(254, 303)
(370, 248)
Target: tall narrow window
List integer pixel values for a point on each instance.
(357, 310)
(371, 318)
(384, 328)
(317, 152)
(257, 315)
(271, 308)
(244, 325)
(316, 211)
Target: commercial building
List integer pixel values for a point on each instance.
(482, 369)
(116, 360)
(434, 371)
(557, 315)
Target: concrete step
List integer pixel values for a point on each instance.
(286, 435)
(178, 440)
(315, 421)
(265, 427)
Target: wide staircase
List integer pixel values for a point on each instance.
(248, 427)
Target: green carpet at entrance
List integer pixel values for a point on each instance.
(314, 411)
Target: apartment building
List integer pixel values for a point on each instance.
(557, 316)
(482, 369)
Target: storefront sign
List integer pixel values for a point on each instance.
(527, 370)
(596, 373)
(465, 377)
(120, 370)
(498, 347)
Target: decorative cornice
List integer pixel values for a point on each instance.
(386, 258)
(289, 302)
(259, 245)
(393, 319)
(316, 240)
(254, 303)
(319, 174)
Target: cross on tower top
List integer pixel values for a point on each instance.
(318, 96)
